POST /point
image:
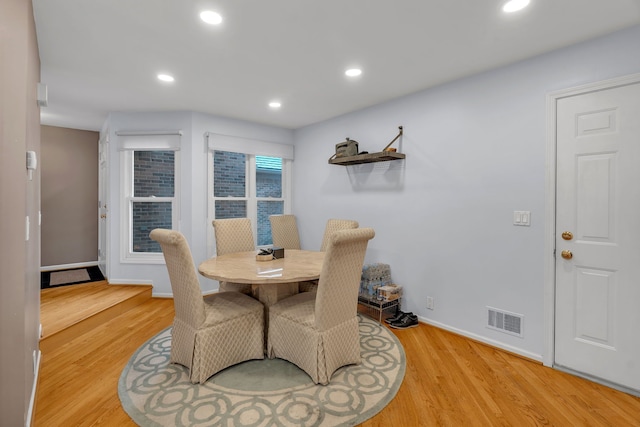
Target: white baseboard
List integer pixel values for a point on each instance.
(484, 340)
(130, 282)
(161, 295)
(170, 295)
(34, 389)
(68, 266)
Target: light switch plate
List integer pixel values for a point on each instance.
(522, 218)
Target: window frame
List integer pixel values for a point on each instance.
(127, 255)
(250, 193)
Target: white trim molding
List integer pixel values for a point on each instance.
(149, 140)
(37, 356)
(255, 147)
(68, 266)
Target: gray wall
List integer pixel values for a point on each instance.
(69, 164)
(19, 198)
(475, 152)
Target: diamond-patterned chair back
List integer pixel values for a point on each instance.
(335, 225)
(233, 235)
(284, 231)
(187, 296)
(337, 297)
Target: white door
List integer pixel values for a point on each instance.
(103, 185)
(597, 323)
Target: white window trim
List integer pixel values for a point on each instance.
(127, 256)
(257, 148)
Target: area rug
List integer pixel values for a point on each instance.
(52, 279)
(262, 393)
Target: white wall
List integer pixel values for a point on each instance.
(443, 217)
(193, 186)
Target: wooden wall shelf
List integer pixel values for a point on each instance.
(383, 156)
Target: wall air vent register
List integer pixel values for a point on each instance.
(504, 321)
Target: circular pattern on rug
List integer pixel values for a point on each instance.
(261, 393)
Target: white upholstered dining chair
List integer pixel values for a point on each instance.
(284, 231)
(332, 226)
(233, 235)
(318, 331)
(212, 333)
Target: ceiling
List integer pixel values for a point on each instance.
(99, 56)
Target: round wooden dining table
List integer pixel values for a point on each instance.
(270, 280)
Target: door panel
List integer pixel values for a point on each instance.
(598, 201)
(595, 290)
(595, 189)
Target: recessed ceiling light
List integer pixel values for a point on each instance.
(165, 77)
(211, 17)
(353, 72)
(275, 104)
(515, 5)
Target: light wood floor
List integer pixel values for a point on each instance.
(449, 381)
(69, 311)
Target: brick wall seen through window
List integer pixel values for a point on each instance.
(153, 175)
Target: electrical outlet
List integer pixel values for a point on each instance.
(430, 303)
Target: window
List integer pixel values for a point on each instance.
(268, 171)
(244, 184)
(248, 186)
(230, 172)
(149, 199)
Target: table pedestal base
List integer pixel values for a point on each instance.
(269, 295)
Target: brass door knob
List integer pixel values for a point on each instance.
(567, 235)
(566, 254)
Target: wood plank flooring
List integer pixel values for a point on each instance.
(449, 381)
(78, 383)
(69, 311)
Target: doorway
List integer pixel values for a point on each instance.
(103, 196)
(594, 232)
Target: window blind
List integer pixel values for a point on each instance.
(149, 140)
(256, 147)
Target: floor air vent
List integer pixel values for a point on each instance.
(503, 321)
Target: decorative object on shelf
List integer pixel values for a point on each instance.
(347, 148)
(388, 148)
(388, 153)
